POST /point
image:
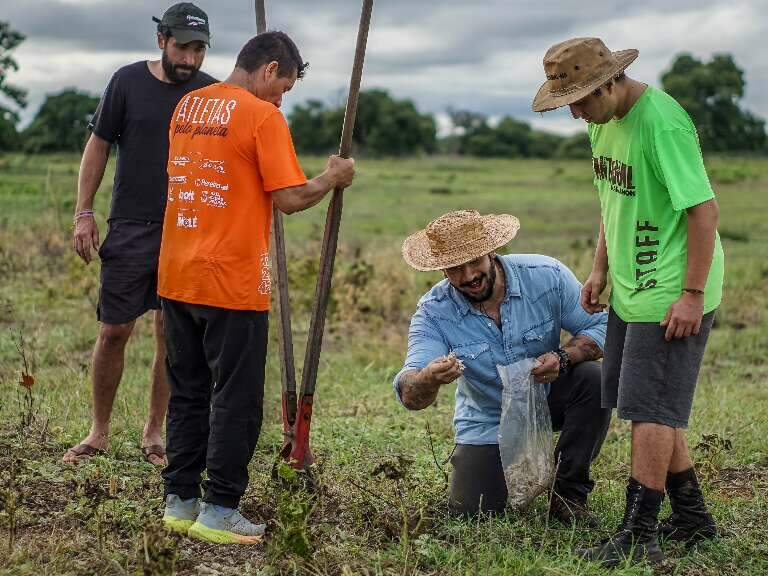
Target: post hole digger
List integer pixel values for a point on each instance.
(297, 408)
(284, 333)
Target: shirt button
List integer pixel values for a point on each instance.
(489, 323)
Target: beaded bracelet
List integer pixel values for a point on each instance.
(83, 214)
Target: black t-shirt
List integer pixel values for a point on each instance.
(135, 112)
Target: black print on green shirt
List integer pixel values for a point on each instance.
(646, 254)
(616, 172)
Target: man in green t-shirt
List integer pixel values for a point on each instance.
(658, 239)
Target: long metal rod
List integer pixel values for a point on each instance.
(261, 17)
(284, 333)
(333, 218)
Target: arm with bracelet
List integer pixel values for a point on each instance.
(106, 127)
(92, 166)
(587, 327)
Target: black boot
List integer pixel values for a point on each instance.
(637, 536)
(690, 521)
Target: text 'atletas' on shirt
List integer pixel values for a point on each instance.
(198, 116)
(228, 151)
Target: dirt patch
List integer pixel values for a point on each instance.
(747, 481)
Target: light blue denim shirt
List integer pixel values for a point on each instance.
(542, 298)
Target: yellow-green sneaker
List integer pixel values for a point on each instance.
(180, 514)
(222, 525)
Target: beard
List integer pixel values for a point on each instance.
(488, 291)
(176, 72)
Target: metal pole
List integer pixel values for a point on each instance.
(284, 334)
(333, 219)
(261, 17)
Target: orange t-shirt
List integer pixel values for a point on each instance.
(228, 150)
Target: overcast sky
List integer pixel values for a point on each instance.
(481, 55)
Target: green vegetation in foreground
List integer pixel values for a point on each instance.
(380, 508)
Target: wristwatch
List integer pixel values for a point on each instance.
(565, 361)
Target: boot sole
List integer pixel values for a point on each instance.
(589, 554)
(690, 539)
(177, 525)
(201, 532)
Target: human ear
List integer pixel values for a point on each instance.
(272, 68)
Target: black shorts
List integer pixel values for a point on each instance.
(648, 379)
(129, 257)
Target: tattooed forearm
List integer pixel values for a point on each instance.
(416, 395)
(582, 349)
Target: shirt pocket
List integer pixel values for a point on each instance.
(477, 359)
(536, 340)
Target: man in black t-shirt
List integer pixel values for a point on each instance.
(134, 113)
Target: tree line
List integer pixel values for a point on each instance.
(711, 92)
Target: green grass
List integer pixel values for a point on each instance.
(104, 517)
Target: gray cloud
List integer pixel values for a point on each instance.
(483, 55)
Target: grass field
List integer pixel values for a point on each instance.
(380, 508)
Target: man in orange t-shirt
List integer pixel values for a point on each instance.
(231, 156)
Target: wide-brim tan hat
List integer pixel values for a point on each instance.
(458, 237)
(575, 68)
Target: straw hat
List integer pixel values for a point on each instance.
(577, 67)
(457, 238)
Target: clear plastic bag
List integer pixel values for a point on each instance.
(525, 434)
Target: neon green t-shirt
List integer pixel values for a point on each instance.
(648, 169)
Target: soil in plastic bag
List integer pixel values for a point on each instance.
(525, 434)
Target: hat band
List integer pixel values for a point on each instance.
(595, 80)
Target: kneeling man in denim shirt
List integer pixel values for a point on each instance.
(495, 310)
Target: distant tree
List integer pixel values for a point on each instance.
(9, 40)
(390, 127)
(9, 118)
(509, 138)
(710, 92)
(384, 126)
(466, 120)
(61, 124)
(311, 128)
(544, 144)
(575, 147)
(470, 127)
(9, 136)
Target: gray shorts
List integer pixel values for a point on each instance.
(647, 378)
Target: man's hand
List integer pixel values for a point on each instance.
(590, 292)
(683, 318)
(85, 237)
(548, 368)
(442, 370)
(419, 388)
(341, 171)
(338, 173)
